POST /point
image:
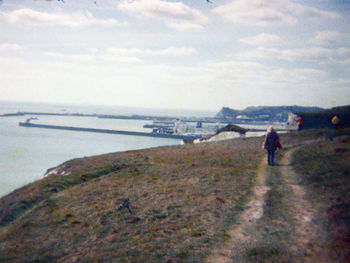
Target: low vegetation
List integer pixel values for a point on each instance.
(325, 169)
(322, 118)
(167, 204)
(234, 128)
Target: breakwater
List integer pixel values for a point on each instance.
(122, 117)
(132, 133)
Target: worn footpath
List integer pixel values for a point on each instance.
(279, 223)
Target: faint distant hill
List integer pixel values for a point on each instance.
(261, 113)
(322, 118)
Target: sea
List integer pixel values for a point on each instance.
(27, 153)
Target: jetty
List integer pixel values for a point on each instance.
(121, 117)
(132, 133)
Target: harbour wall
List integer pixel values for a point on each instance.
(132, 133)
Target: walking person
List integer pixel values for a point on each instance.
(335, 122)
(272, 142)
(300, 123)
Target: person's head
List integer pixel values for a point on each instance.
(270, 129)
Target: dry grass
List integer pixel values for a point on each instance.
(182, 201)
(325, 167)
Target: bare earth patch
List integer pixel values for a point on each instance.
(213, 202)
(310, 237)
(253, 230)
(246, 222)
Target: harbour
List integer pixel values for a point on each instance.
(132, 133)
(183, 128)
(60, 133)
(116, 116)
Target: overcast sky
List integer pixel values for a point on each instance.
(176, 54)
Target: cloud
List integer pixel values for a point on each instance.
(343, 51)
(10, 47)
(75, 57)
(31, 17)
(344, 62)
(311, 54)
(259, 73)
(320, 55)
(343, 56)
(170, 51)
(92, 56)
(324, 38)
(176, 15)
(316, 54)
(262, 39)
(253, 13)
(119, 55)
(185, 26)
(269, 13)
(343, 82)
(308, 72)
(307, 11)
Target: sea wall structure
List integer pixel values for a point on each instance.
(132, 133)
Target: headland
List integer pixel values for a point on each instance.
(180, 204)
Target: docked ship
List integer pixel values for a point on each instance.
(179, 127)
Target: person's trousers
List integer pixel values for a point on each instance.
(271, 157)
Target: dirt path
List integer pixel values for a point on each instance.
(310, 236)
(247, 221)
(279, 224)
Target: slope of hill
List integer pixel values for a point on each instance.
(156, 204)
(322, 118)
(261, 113)
(172, 204)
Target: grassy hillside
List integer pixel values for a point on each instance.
(181, 201)
(261, 113)
(168, 204)
(325, 169)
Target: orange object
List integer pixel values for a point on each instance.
(335, 120)
(300, 120)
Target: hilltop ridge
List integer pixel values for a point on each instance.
(262, 113)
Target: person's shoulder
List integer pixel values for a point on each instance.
(274, 133)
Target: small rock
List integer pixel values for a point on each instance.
(124, 203)
(133, 220)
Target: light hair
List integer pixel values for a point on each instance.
(270, 129)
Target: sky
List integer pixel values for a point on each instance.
(176, 54)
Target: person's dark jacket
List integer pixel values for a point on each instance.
(272, 141)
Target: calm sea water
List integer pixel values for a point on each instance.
(26, 153)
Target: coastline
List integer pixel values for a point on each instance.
(175, 193)
(62, 169)
(53, 148)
